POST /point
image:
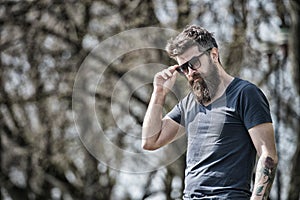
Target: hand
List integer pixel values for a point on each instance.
(164, 80)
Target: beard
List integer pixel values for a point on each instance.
(205, 87)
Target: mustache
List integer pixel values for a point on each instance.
(196, 76)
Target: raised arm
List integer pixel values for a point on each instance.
(158, 131)
(264, 142)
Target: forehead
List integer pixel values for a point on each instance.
(187, 55)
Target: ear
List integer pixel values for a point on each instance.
(214, 53)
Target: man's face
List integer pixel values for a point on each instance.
(203, 80)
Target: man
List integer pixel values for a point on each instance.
(226, 119)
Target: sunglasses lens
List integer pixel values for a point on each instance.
(183, 69)
(194, 63)
(178, 69)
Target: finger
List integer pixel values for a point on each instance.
(168, 72)
(175, 73)
(172, 69)
(163, 74)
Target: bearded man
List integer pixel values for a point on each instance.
(226, 120)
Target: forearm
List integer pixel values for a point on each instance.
(265, 173)
(153, 120)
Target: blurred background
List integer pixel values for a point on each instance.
(45, 43)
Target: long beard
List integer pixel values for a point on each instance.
(205, 87)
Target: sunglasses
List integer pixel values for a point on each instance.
(194, 64)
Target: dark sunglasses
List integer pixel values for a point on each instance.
(193, 63)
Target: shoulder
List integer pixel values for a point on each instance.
(241, 83)
(244, 87)
(187, 103)
(189, 98)
(239, 87)
(248, 94)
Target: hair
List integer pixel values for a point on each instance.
(192, 35)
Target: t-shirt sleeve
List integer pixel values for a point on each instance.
(254, 107)
(176, 114)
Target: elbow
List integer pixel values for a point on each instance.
(274, 158)
(148, 146)
(271, 160)
(149, 140)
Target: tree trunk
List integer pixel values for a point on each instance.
(294, 42)
(294, 191)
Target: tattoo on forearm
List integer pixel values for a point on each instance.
(266, 170)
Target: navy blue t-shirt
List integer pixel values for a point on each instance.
(220, 153)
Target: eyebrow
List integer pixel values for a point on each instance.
(201, 54)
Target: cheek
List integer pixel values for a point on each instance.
(207, 68)
(204, 70)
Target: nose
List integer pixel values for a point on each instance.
(191, 72)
